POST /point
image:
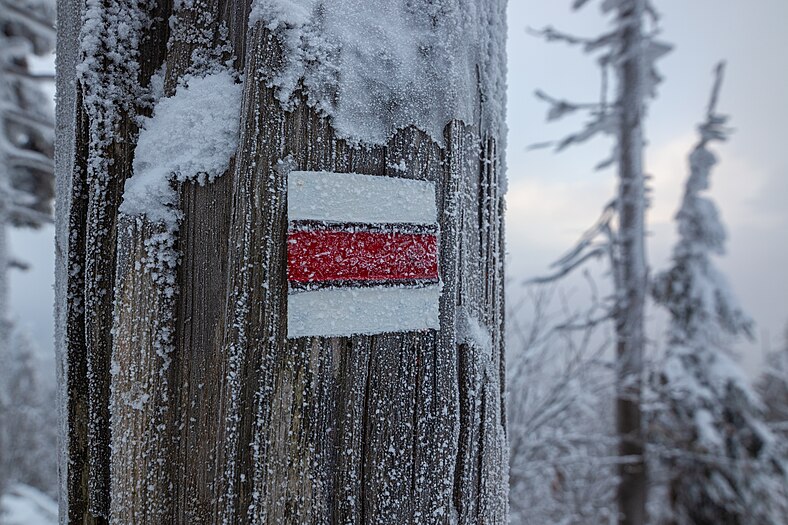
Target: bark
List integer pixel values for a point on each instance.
(210, 414)
(632, 490)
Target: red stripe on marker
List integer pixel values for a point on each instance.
(319, 256)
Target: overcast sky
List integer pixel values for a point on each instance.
(553, 198)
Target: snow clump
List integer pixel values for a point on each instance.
(191, 137)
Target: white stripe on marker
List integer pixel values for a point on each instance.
(351, 197)
(346, 311)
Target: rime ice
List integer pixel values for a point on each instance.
(381, 65)
(191, 136)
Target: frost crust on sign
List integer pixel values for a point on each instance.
(190, 137)
(375, 66)
(352, 197)
(376, 310)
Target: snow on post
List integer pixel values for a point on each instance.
(190, 137)
(178, 236)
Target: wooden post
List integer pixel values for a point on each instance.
(218, 417)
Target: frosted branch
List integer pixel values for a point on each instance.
(24, 157)
(714, 127)
(719, 76)
(550, 34)
(559, 108)
(36, 24)
(586, 248)
(30, 215)
(25, 119)
(604, 123)
(26, 75)
(593, 254)
(18, 264)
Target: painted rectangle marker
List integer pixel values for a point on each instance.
(362, 254)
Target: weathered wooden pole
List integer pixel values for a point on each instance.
(194, 398)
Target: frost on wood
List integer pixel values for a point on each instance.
(103, 81)
(111, 89)
(216, 415)
(65, 285)
(190, 137)
(378, 66)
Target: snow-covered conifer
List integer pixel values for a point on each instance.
(26, 134)
(28, 426)
(709, 422)
(773, 388)
(26, 127)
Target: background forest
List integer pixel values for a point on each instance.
(723, 428)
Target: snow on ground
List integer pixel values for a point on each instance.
(24, 505)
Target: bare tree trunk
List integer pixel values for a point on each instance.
(206, 411)
(632, 281)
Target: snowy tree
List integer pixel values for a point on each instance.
(25, 129)
(28, 422)
(563, 449)
(26, 134)
(629, 50)
(773, 388)
(709, 425)
(26, 143)
(199, 144)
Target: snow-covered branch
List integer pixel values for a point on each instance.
(559, 380)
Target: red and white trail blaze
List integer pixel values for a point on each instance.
(362, 254)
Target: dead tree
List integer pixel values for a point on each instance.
(191, 393)
(629, 51)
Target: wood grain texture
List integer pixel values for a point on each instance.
(217, 417)
(405, 470)
(143, 433)
(75, 375)
(95, 195)
(178, 437)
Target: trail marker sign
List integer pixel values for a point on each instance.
(362, 254)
